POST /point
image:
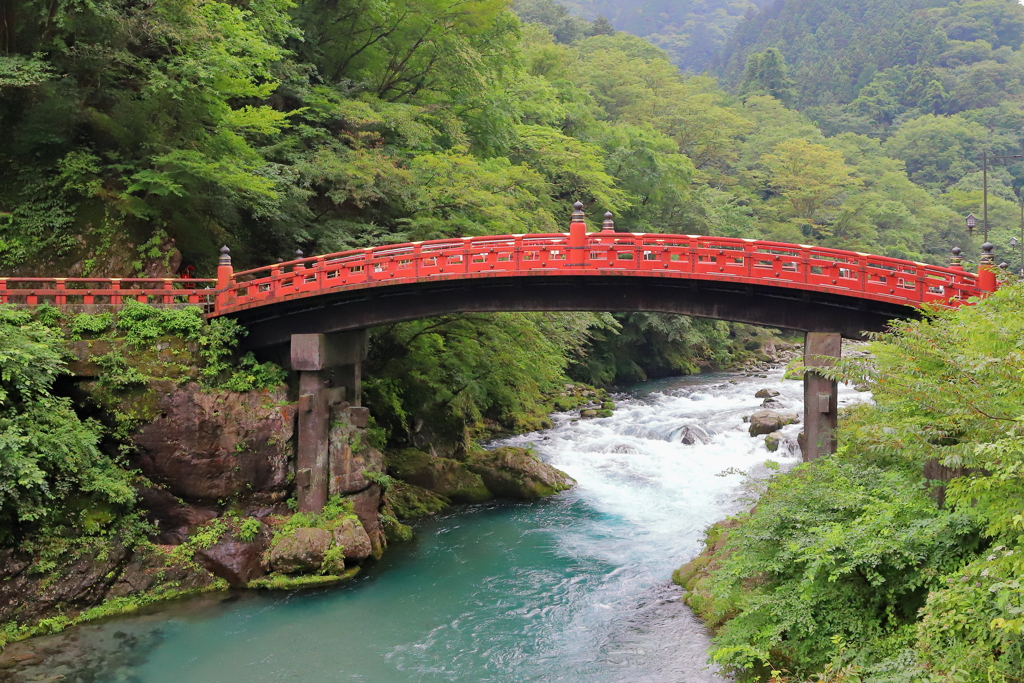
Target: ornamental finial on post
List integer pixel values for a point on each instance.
(609, 223)
(956, 261)
(986, 269)
(577, 234)
(225, 273)
(986, 253)
(577, 213)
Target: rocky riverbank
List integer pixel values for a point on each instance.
(214, 480)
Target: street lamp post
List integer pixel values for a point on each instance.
(985, 159)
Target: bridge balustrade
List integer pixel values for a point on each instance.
(755, 262)
(78, 291)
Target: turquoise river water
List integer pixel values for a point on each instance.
(575, 588)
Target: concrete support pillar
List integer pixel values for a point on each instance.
(821, 403)
(329, 372)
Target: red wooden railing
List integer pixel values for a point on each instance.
(606, 253)
(69, 291)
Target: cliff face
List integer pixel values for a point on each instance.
(207, 447)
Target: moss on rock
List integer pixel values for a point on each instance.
(517, 473)
(449, 478)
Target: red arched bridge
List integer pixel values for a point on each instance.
(321, 306)
(776, 284)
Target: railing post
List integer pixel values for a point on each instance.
(577, 235)
(987, 269)
(3, 290)
(168, 286)
(115, 285)
(225, 278)
(60, 299)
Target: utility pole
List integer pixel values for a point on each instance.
(985, 159)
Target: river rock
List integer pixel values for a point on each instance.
(351, 536)
(448, 477)
(772, 404)
(301, 551)
(237, 562)
(765, 422)
(517, 473)
(588, 413)
(692, 434)
(772, 442)
(207, 446)
(411, 502)
(766, 393)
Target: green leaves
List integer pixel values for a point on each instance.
(31, 358)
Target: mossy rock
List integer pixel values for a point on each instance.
(410, 502)
(290, 583)
(449, 478)
(517, 473)
(608, 405)
(605, 413)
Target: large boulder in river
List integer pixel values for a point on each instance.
(301, 551)
(766, 393)
(517, 473)
(450, 478)
(765, 422)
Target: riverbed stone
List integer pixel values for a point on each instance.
(301, 551)
(772, 442)
(766, 393)
(693, 434)
(765, 422)
(517, 473)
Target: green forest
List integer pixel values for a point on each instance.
(138, 137)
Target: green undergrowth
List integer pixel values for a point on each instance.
(856, 567)
(143, 347)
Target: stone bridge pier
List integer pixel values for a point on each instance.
(821, 402)
(329, 367)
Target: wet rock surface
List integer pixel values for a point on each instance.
(693, 434)
(765, 422)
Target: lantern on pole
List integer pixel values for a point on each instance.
(972, 222)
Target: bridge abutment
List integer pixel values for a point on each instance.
(821, 401)
(329, 367)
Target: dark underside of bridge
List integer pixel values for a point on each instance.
(785, 308)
